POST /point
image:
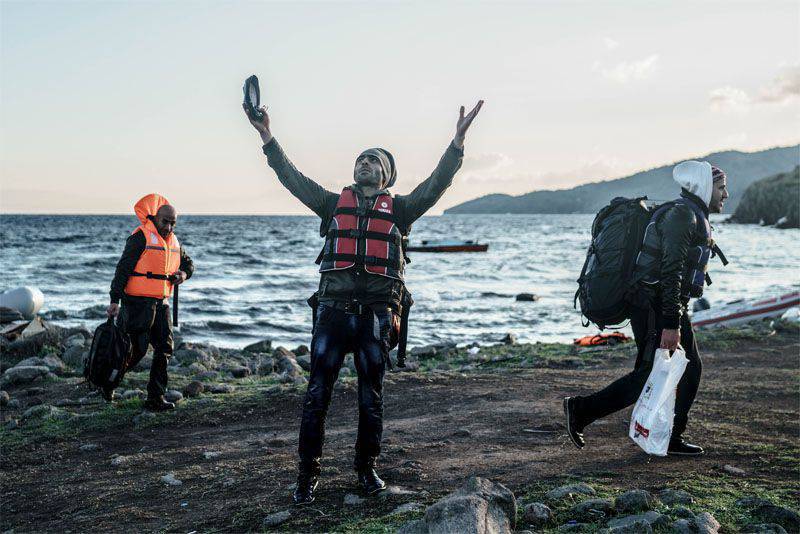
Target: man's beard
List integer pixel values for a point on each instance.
(372, 179)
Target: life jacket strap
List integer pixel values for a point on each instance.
(363, 211)
(359, 259)
(715, 250)
(366, 234)
(149, 274)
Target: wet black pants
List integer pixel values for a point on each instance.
(336, 334)
(149, 322)
(625, 391)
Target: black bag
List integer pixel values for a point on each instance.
(606, 283)
(109, 356)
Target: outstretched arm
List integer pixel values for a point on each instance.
(307, 191)
(426, 194)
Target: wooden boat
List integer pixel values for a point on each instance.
(448, 246)
(744, 311)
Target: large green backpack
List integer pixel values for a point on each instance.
(606, 284)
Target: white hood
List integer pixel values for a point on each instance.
(695, 177)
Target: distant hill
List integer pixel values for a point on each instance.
(742, 168)
(772, 200)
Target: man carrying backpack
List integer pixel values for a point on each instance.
(669, 270)
(361, 290)
(151, 264)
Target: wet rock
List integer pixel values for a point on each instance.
(265, 345)
(672, 496)
(633, 501)
(4, 398)
(734, 470)
(193, 389)
(706, 523)
(479, 506)
(74, 356)
(352, 500)
(133, 394)
(569, 491)
(301, 350)
(170, 479)
(510, 339)
(90, 447)
(173, 396)
(526, 297)
(537, 514)
(220, 388)
(592, 509)
(763, 528)
(25, 374)
(240, 372)
(143, 417)
(304, 361)
(769, 513)
(273, 520)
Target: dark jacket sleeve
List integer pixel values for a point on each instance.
(677, 228)
(134, 246)
(426, 194)
(314, 196)
(187, 265)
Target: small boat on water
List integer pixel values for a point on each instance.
(449, 246)
(744, 311)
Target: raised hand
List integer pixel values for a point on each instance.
(262, 126)
(464, 122)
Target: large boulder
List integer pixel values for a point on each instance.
(265, 345)
(769, 513)
(480, 506)
(24, 374)
(633, 501)
(51, 336)
(286, 363)
(195, 354)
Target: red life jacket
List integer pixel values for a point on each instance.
(364, 236)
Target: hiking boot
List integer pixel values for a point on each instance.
(574, 429)
(369, 480)
(304, 493)
(678, 447)
(158, 405)
(107, 394)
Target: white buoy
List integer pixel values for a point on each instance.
(26, 300)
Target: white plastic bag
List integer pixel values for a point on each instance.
(651, 422)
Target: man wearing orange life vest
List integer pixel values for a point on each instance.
(151, 264)
(361, 291)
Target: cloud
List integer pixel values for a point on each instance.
(627, 71)
(782, 89)
(489, 166)
(610, 43)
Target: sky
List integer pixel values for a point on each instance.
(103, 102)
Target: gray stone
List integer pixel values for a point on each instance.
(25, 374)
(769, 513)
(352, 500)
(173, 396)
(682, 512)
(537, 514)
(240, 372)
(143, 418)
(684, 526)
(569, 491)
(764, 528)
(51, 337)
(193, 389)
(170, 479)
(304, 361)
(576, 527)
(90, 447)
(672, 496)
(54, 364)
(592, 509)
(4, 398)
(204, 347)
(651, 518)
(220, 388)
(75, 340)
(406, 508)
(633, 501)
(40, 411)
(510, 339)
(191, 356)
(273, 520)
(635, 527)
(480, 506)
(751, 502)
(27, 362)
(416, 526)
(264, 365)
(133, 394)
(145, 363)
(285, 362)
(706, 523)
(734, 470)
(74, 356)
(265, 345)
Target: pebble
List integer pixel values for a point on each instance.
(170, 479)
(119, 460)
(211, 454)
(173, 396)
(193, 389)
(537, 514)
(89, 447)
(734, 470)
(221, 388)
(273, 520)
(352, 500)
(133, 394)
(407, 507)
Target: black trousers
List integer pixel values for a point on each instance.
(337, 333)
(149, 322)
(625, 391)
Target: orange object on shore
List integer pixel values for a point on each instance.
(602, 339)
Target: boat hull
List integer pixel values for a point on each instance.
(743, 312)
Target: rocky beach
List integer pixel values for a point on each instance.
(495, 459)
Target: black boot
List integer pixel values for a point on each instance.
(306, 484)
(368, 479)
(678, 447)
(574, 428)
(158, 404)
(107, 394)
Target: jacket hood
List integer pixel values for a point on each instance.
(148, 205)
(695, 177)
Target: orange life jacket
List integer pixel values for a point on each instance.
(375, 244)
(602, 339)
(160, 258)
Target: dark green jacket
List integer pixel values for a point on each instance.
(356, 283)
